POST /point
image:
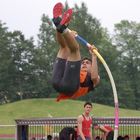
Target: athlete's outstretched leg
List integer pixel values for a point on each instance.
(62, 55)
(66, 75)
(71, 78)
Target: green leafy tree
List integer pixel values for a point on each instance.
(127, 40)
(5, 60)
(19, 66)
(86, 26)
(15, 56)
(45, 55)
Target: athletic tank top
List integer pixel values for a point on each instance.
(86, 126)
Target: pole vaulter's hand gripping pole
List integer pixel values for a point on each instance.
(85, 43)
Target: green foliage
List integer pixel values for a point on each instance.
(45, 55)
(127, 40)
(86, 26)
(15, 56)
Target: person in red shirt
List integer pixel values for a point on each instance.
(107, 130)
(72, 77)
(85, 123)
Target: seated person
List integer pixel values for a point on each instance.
(126, 137)
(68, 133)
(107, 130)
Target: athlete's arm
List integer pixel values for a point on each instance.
(94, 69)
(79, 120)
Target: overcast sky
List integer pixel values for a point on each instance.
(25, 15)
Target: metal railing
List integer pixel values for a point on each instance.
(28, 129)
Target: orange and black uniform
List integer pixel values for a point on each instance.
(69, 80)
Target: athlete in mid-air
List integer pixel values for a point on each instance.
(72, 76)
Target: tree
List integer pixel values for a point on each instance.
(45, 55)
(127, 40)
(16, 52)
(4, 57)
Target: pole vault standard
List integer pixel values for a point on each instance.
(116, 124)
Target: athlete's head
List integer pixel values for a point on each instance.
(86, 64)
(87, 107)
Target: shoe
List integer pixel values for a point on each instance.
(66, 17)
(65, 21)
(57, 10)
(57, 13)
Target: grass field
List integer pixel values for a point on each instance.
(34, 108)
(40, 108)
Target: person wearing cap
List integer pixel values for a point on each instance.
(71, 77)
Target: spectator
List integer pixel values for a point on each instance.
(49, 137)
(126, 137)
(107, 130)
(68, 133)
(85, 123)
(120, 138)
(97, 138)
(56, 138)
(138, 138)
